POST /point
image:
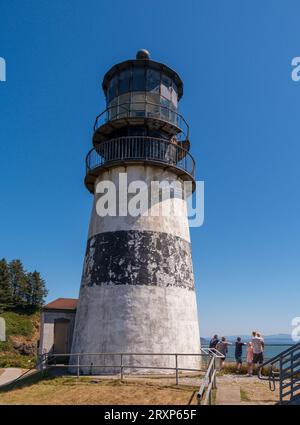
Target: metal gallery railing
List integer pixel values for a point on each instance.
(141, 148)
(144, 109)
(284, 369)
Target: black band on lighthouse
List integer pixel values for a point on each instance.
(138, 258)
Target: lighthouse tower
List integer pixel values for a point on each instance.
(137, 292)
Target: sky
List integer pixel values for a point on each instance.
(243, 110)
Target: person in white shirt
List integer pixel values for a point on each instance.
(258, 348)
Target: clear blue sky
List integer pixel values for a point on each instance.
(243, 110)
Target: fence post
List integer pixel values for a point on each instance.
(280, 380)
(215, 379)
(210, 385)
(176, 365)
(78, 366)
(121, 367)
(292, 376)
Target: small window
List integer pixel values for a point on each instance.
(139, 79)
(153, 81)
(112, 89)
(174, 95)
(166, 84)
(153, 101)
(124, 81)
(124, 105)
(138, 104)
(165, 108)
(112, 110)
(138, 97)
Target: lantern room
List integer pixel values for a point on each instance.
(141, 99)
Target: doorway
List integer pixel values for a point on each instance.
(61, 336)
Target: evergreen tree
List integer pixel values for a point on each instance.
(37, 290)
(5, 288)
(19, 283)
(19, 289)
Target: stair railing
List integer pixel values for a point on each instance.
(284, 368)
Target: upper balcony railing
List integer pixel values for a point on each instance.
(141, 148)
(144, 109)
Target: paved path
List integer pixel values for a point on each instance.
(228, 394)
(9, 374)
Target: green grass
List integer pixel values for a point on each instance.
(21, 325)
(18, 324)
(14, 359)
(244, 395)
(230, 368)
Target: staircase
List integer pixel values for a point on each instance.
(284, 369)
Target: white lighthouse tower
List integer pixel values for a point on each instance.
(137, 292)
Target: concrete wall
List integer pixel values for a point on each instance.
(47, 328)
(137, 291)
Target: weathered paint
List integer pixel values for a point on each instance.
(136, 257)
(136, 319)
(137, 292)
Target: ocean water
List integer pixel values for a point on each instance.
(271, 350)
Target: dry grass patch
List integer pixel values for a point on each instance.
(71, 391)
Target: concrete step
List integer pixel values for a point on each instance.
(228, 394)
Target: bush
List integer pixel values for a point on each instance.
(230, 368)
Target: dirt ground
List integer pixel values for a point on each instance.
(91, 391)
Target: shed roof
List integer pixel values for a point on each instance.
(62, 304)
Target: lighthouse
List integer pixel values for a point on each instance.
(137, 292)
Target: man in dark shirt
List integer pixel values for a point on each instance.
(214, 341)
(239, 353)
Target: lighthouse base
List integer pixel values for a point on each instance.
(128, 319)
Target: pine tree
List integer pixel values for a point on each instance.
(37, 290)
(5, 288)
(19, 284)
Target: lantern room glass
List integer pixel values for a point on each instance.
(142, 92)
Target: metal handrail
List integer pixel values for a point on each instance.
(127, 111)
(49, 360)
(209, 382)
(141, 148)
(288, 373)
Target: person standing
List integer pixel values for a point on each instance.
(238, 353)
(214, 341)
(250, 358)
(222, 347)
(258, 348)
